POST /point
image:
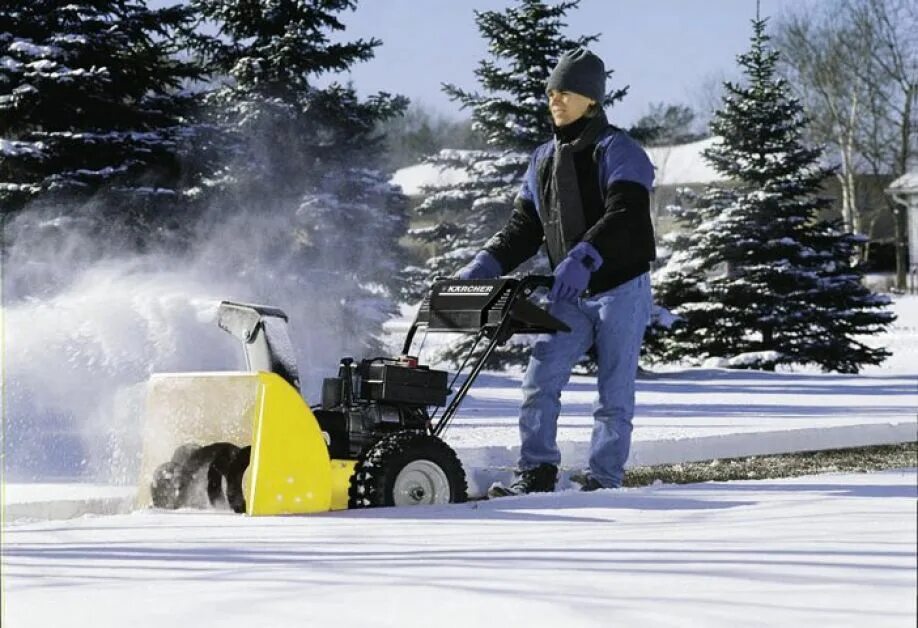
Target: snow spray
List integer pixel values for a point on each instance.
(86, 324)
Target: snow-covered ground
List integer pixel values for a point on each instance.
(701, 415)
(698, 414)
(831, 550)
(828, 550)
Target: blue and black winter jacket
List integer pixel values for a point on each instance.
(615, 178)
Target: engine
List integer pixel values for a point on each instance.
(374, 397)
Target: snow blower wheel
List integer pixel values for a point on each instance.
(407, 469)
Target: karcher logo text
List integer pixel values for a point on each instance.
(479, 289)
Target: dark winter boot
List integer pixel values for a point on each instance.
(586, 481)
(540, 479)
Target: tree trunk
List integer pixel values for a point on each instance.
(900, 212)
(850, 175)
(871, 231)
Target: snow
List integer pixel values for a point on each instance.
(683, 164)
(835, 550)
(48, 501)
(906, 183)
(685, 414)
(753, 358)
(697, 414)
(13, 148)
(25, 88)
(413, 178)
(825, 550)
(149, 190)
(43, 64)
(69, 38)
(10, 64)
(30, 49)
(43, 69)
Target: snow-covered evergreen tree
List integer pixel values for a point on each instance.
(306, 157)
(90, 107)
(756, 277)
(511, 112)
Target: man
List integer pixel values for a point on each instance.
(586, 196)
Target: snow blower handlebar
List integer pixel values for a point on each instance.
(496, 309)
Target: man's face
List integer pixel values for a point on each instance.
(567, 107)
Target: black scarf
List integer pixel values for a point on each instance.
(567, 205)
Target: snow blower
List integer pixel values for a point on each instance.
(375, 439)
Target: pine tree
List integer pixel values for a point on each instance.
(756, 277)
(306, 158)
(90, 108)
(511, 112)
(270, 53)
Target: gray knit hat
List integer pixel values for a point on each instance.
(579, 71)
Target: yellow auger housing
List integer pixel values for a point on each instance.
(289, 467)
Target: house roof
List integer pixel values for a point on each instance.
(683, 164)
(907, 183)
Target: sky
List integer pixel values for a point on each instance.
(665, 50)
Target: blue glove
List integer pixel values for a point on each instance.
(572, 276)
(483, 266)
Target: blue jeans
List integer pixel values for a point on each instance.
(614, 321)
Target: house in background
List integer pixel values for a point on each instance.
(677, 169)
(683, 168)
(904, 191)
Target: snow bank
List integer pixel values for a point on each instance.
(45, 501)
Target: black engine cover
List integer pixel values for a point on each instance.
(388, 381)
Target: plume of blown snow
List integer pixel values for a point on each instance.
(87, 322)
